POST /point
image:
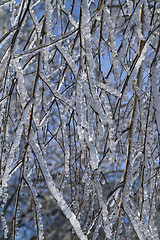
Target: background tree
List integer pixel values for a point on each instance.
(80, 119)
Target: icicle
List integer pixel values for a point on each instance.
(12, 11)
(112, 129)
(66, 141)
(48, 30)
(90, 192)
(48, 14)
(81, 109)
(156, 95)
(6, 176)
(111, 27)
(4, 225)
(143, 54)
(38, 25)
(94, 159)
(21, 83)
